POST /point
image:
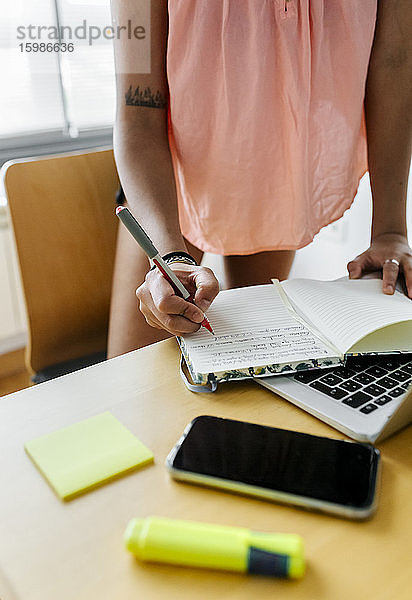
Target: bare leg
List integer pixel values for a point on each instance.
(253, 269)
(128, 329)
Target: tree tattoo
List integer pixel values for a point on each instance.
(145, 97)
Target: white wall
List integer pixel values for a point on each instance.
(327, 256)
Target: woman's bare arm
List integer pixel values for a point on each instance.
(388, 110)
(146, 172)
(140, 134)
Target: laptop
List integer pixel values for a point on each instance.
(368, 399)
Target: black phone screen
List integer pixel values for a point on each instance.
(277, 459)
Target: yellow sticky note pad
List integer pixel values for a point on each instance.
(87, 454)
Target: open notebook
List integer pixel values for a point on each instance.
(296, 325)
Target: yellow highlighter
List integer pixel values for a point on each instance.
(157, 539)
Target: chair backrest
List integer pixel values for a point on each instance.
(63, 214)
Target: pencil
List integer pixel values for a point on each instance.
(151, 251)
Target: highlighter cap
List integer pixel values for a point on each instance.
(132, 535)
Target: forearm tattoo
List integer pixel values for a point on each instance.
(145, 97)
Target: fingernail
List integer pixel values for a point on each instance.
(388, 289)
(198, 317)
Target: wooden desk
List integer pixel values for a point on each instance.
(50, 550)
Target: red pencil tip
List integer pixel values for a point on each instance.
(205, 323)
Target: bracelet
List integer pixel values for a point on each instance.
(181, 257)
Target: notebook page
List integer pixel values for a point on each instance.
(253, 328)
(347, 309)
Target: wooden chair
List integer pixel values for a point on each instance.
(63, 214)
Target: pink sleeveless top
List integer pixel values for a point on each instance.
(266, 123)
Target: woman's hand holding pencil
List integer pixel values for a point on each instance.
(172, 297)
(163, 309)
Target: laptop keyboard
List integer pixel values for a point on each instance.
(364, 383)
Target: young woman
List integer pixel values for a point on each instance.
(247, 136)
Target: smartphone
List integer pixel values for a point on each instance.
(334, 476)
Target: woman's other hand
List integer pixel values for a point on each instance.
(385, 253)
